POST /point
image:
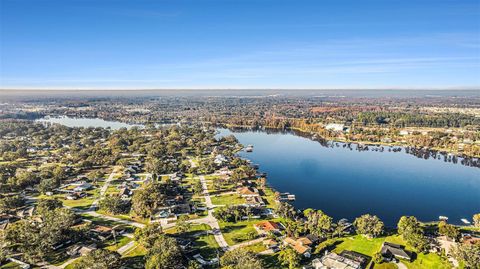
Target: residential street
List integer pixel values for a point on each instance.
(210, 219)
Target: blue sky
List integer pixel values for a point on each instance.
(239, 44)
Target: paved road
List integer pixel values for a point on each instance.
(210, 219)
(126, 247)
(123, 221)
(401, 265)
(103, 190)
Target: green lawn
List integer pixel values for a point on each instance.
(271, 261)
(121, 241)
(369, 247)
(360, 244)
(269, 197)
(385, 266)
(229, 199)
(205, 243)
(10, 265)
(258, 247)
(136, 251)
(84, 203)
(235, 233)
(207, 246)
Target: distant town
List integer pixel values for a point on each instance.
(162, 188)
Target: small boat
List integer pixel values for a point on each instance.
(443, 218)
(249, 148)
(466, 221)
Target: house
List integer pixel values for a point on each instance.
(337, 127)
(254, 201)
(83, 187)
(266, 226)
(84, 250)
(103, 232)
(5, 220)
(25, 212)
(392, 251)
(247, 191)
(220, 159)
(75, 195)
(271, 244)
(335, 261)
(355, 256)
(470, 240)
(314, 239)
(125, 193)
(302, 245)
(182, 209)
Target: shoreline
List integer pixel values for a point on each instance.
(273, 189)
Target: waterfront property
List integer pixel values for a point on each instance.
(346, 181)
(392, 251)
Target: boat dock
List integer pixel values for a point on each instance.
(286, 196)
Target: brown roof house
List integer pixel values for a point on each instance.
(247, 191)
(302, 245)
(266, 226)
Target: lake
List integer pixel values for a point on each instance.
(87, 122)
(347, 183)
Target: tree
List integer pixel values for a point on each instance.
(99, 259)
(182, 225)
(240, 259)
(46, 205)
(469, 254)
(476, 220)
(262, 182)
(318, 223)
(4, 251)
(48, 184)
(114, 204)
(285, 210)
(36, 238)
(369, 225)
(412, 232)
(408, 225)
(194, 265)
(147, 199)
(448, 230)
(290, 258)
(251, 235)
(198, 188)
(25, 178)
(378, 258)
(164, 254)
(10, 203)
(149, 234)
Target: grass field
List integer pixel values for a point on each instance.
(229, 199)
(121, 241)
(360, 244)
(235, 233)
(369, 247)
(258, 247)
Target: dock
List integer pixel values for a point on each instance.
(286, 196)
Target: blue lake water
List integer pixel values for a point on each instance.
(347, 183)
